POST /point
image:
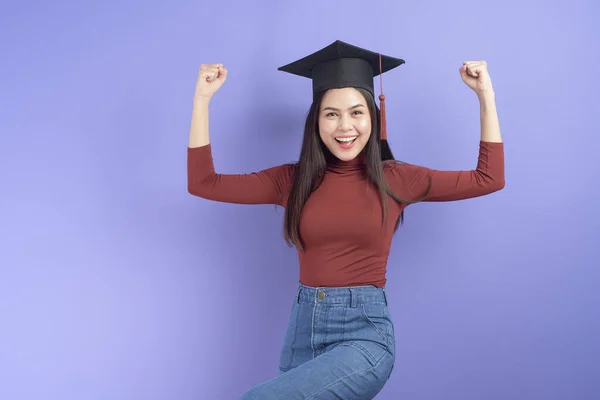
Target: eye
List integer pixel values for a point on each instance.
(331, 114)
(358, 112)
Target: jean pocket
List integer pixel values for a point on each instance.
(286, 357)
(378, 317)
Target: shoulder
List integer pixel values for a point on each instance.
(396, 168)
(287, 169)
(282, 174)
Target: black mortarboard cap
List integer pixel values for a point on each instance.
(342, 65)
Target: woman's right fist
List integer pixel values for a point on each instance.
(210, 78)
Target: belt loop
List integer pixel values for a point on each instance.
(353, 299)
(385, 297)
(298, 294)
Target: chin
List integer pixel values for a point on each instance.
(345, 156)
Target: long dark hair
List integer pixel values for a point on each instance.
(310, 169)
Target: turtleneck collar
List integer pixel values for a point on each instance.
(337, 166)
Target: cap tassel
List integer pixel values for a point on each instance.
(383, 122)
(383, 128)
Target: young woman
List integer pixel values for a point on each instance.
(343, 201)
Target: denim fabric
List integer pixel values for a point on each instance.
(339, 344)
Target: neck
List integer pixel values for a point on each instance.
(338, 166)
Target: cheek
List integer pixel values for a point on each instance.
(364, 126)
(326, 127)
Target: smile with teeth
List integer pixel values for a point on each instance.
(346, 140)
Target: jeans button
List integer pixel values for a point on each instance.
(322, 295)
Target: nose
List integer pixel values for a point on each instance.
(345, 124)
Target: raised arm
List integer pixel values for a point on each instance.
(263, 187)
(410, 182)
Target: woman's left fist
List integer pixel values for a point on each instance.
(475, 75)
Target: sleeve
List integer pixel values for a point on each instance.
(410, 182)
(262, 187)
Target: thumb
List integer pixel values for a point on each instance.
(222, 72)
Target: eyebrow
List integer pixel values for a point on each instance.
(335, 109)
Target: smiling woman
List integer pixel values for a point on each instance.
(343, 133)
(343, 200)
(344, 122)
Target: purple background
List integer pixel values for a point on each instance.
(115, 283)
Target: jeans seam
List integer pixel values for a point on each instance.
(375, 328)
(312, 329)
(312, 396)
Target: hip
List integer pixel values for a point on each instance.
(323, 318)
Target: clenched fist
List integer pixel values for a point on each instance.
(475, 75)
(210, 78)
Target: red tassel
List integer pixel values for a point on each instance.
(383, 127)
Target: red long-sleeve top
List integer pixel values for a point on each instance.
(340, 225)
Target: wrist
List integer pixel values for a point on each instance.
(202, 100)
(487, 96)
(487, 100)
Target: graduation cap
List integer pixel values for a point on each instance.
(342, 65)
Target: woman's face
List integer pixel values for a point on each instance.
(344, 122)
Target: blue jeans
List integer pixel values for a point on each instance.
(339, 344)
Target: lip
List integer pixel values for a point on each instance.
(344, 145)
